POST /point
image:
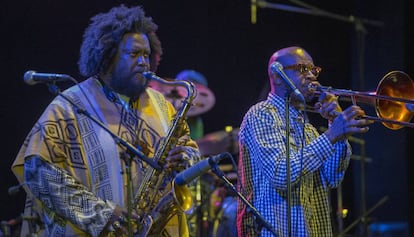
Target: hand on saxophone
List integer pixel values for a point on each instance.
(178, 159)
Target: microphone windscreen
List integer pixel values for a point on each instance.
(28, 77)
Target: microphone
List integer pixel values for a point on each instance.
(13, 190)
(253, 10)
(278, 68)
(32, 78)
(188, 175)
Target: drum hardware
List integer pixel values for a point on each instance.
(203, 102)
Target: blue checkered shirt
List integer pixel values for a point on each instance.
(316, 166)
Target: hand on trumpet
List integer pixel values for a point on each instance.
(328, 106)
(346, 123)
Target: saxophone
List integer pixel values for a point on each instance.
(154, 207)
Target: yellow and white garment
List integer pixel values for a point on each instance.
(75, 178)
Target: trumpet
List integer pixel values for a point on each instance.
(393, 99)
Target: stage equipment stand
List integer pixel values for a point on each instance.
(363, 219)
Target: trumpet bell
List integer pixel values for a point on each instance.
(395, 84)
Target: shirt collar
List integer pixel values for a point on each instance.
(280, 104)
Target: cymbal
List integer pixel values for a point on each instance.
(203, 102)
(219, 141)
(230, 172)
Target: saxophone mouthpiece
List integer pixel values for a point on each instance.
(148, 74)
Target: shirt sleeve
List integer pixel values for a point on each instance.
(61, 194)
(335, 166)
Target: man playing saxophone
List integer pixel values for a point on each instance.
(71, 167)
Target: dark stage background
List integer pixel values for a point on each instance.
(217, 38)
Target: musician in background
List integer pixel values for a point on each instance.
(194, 119)
(201, 104)
(71, 165)
(317, 161)
(214, 210)
(205, 100)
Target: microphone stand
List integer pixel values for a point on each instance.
(260, 221)
(288, 173)
(127, 159)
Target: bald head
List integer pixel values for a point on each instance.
(289, 56)
(292, 59)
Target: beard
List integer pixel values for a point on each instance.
(132, 85)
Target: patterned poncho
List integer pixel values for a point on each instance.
(79, 170)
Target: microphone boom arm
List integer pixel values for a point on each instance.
(260, 221)
(309, 10)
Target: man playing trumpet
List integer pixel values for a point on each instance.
(314, 163)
